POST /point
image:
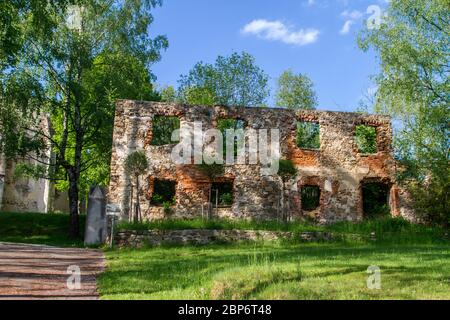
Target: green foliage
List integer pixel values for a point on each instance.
(232, 81)
(79, 72)
(219, 224)
(386, 229)
(413, 45)
(375, 200)
(211, 170)
(286, 169)
(136, 163)
(39, 16)
(308, 135)
(162, 130)
(223, 192)
(113, 76)
(198, 96)
(366, 139)
(167, 206)
(157, 199)
(164, 192)
(230, 124)
(433, 193)
(20, 93)
(295, 91)
(226, 199)
(169, 94)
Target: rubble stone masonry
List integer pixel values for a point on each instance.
(336, 168)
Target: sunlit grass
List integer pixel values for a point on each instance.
(277, 271)
(38, 228)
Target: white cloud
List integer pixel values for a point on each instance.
(346, 27)
(311, 2)
(278, 31)
(354, 14)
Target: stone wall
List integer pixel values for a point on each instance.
(337, 167)
(180, 237)
(25, 194)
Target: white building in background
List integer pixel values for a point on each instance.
(23, 194)
(28, 194)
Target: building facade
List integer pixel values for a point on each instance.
(330, 185)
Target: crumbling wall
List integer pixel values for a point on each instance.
(337, 167)
(23, 194)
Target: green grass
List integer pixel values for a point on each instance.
(218, 224)
(385, 229)
(38, 228)
(277, 271)
(413, 259)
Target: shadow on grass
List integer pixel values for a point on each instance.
(152, 270)
(38, 228)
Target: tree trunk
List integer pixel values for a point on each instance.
(74, 171)
(74, 230)
(131, 208)
(138, 205)
(210, 203)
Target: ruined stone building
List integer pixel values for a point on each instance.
(24, 194)
(330, 184)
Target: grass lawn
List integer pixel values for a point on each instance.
(414, 261)
(278, 271)
(38, 228)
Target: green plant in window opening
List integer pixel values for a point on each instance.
(308, 135)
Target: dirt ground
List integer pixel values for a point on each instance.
(43, 272)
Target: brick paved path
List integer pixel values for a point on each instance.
(41, 272)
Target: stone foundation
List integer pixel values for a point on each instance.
(200, 237)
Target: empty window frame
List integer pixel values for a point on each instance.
(375, 197)
(230, 124)
(163, 192)
(366, 139)
(222, 194)
(308, 135)
(310, 197)
(163, 127)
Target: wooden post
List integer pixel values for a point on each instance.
(209, 203)
(217, 202)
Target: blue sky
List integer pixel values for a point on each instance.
(315, 37)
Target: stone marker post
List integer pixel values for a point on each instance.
(96, 228)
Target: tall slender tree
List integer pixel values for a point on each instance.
(85, 36)
(135, 165)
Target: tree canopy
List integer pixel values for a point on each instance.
(295, 91)
(234, 80)
(413, 45)
(90, 53)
